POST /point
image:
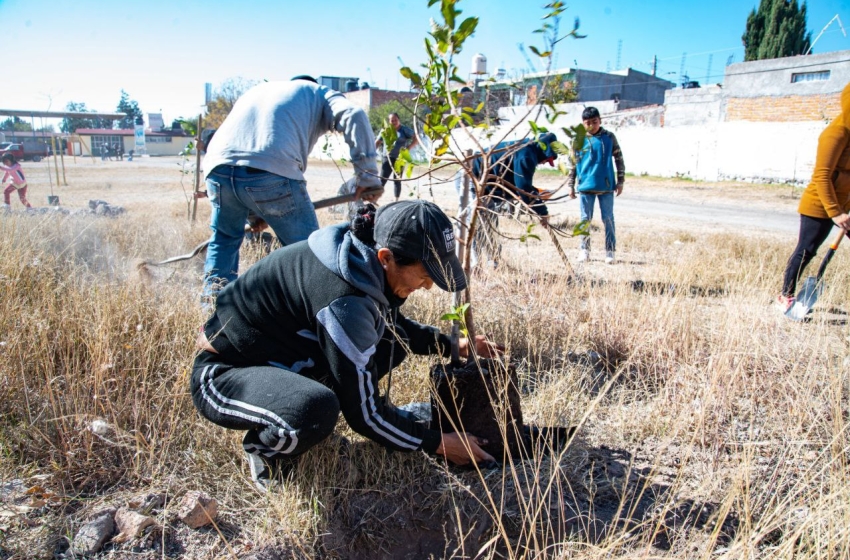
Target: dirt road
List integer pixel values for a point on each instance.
(646, 202)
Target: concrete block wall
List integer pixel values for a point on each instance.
(684, 107)
(750, 151)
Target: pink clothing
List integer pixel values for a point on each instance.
(16, 174)
(18, 182)
(22, 194)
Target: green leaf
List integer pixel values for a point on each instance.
(560, 148)
(448, 11)
(582, 228)
(528, 234)
(466, 29)
(429, 49)
(190, 127)
(414, 78)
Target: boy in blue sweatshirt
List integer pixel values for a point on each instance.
(594, 173)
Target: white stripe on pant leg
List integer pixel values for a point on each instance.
(292, 433)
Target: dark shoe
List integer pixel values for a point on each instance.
(267, 472)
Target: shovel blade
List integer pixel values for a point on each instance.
(806, 298)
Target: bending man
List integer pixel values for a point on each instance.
(256, 163)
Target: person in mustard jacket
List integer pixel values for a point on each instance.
(825, 201)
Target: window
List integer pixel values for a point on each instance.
(99, 142)
(821, 76)
(157, 139)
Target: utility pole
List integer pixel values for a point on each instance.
(654, 65)
(619, 53)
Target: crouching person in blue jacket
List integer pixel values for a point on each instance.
(309, 331)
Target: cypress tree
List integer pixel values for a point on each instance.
(776, 29)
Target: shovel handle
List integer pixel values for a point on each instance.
(342, 199)
(830, 252)
(333, 201)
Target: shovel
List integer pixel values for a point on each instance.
(813, 287)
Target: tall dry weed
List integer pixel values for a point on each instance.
(708, 425)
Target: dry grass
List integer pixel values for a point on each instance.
(710, 427)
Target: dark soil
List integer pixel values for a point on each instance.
(481, 398)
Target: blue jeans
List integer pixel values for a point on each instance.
(606, 208)
(235, 191)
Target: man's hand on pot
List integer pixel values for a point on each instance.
(461, 450)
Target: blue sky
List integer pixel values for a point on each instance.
(163, 51)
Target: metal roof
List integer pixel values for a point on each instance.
(59, 114)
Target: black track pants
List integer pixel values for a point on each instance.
(813, 232)
(283, 413)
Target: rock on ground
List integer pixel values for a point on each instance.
(94, 533)
(197, 509)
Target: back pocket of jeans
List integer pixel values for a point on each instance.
(214, 193)
(273, 200)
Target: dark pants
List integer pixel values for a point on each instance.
(283, 412)
(386, 172)
(813, 232)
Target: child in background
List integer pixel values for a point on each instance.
(15, 175)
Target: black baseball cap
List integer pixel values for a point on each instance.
(418, 229)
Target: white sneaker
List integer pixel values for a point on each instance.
(609, 257)
(583, 255)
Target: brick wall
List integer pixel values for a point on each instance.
(789, 108)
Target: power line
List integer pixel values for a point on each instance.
(702, 53)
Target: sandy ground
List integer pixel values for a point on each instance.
(646, 202)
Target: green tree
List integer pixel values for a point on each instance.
(130, 108)
(15, 124)
(72, 124)
(441, 95)
(559, 89)
(378, 115)
(223, 100)
(776, 29)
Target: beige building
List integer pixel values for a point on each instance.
(165, 143)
